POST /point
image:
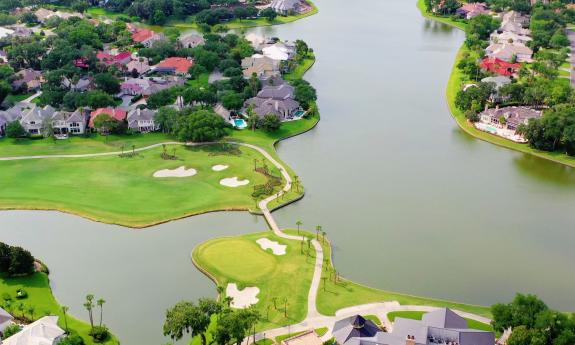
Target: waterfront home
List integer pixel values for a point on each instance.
(27, 80)
(472, 9)
(140, 65)
(148, 86)
(354, 327)
(5, 33)
(509, 117)
(442, 327)
(280, 51)
(191, 41)
(285, 7)
(263, 66)
(500, 67)
(120, 59)
(146, 37)
(33, 120)
(5, 320)
(142, 120)
(44, 331)
(174, 65)
(509, 52)
(65, 123)
(115, 113)
(515, 17)
(275, 99)
(305, 338)
(255, 39)
(509, 37)
(498, 82)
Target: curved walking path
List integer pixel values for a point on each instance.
(314, 319)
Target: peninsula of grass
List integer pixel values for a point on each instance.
(40, 297)
(345, 293)
(124, 191)
(418, 315)
(457, 80)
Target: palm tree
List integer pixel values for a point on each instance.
(133, 150)
(89, 305)
(296, 182)
(253, 118)
(21, 308)
(317, 231)
(302, 241)
(275, 300)
(324, 280)
(65, 312)
(323, 236)
(100, 303)
(31, 312)
(308, 246)
(268, 312)
(220, 290)
(285, 306)
(255, 164)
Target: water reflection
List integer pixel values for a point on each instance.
(540, 169)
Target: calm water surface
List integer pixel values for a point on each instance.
(411, 203)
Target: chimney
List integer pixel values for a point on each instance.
(410, 340)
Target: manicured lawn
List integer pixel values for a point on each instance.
(373, 318)
(301, 68)
(460, 24)
(321, 331)
(40, 297)
(123, 190)
(346, 293)
(242, 261)
(418, 315)
(201, 81)
(17, 98)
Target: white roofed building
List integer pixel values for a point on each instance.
(44, 331)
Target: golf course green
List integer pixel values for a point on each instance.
(124, 191)
(280, 278)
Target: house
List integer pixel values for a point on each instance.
(442, 327)
(115, 113)
(65, 123)
(140, 65)
(28, 79)
(191, 41)
(275, 99)
(500, 67)
(509, 37)
(83, 84)
(5, 319)
(44, 331)
(499, 82)
(5, 33)
(120, 59)
(509, 117)
(263, 66)
(34, 119)
(279, 51)
(174, 65)
(472, 9)
(509, 52)
(255, 39)
(43, 14)
(3, 57)
(286, 7)
(146, 37)
(305, 338)
(20, 31)
(142, 120)
(354, 327)
(148, 86)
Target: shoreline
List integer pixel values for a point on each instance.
(462, 122)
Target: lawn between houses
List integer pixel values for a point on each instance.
(40, 297)
(242, 261)
(456, 81)
(418, 315)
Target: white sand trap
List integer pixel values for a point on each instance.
(219, 167)
(244, 298)
(179, 172)
(277, 249)
(233, 182)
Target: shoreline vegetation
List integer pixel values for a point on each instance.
(40, 296)
(456, 79)
(235, 24)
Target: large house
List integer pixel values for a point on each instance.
(148, 86)
(472, 9)
(509, 117)
(146, 37)
(5, 33)
(509, 52)
(191, 41)
(139, 65)
(65, 123)
(33, 120)
(263, 66)
(441, 327)
(509, 37)
(120, 59)
(142, 120)
(174, 65)
(115, 113)
(44, 331)
(286, 7)
(28, 79)
(500, 67)
(280, 51)
(277, 100)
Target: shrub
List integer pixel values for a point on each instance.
(10, 331)
(72, 339)
(99, 334)
(21, 294)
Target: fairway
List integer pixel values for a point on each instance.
(123, 191)
(280, 278)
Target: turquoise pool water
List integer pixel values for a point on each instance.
(299, 114)
(240, 123)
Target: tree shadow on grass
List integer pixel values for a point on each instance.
(221, 149)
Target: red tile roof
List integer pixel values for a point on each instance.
(181, 65)
(122, 56)
(500, 67)
(110, 59)
(116, 113)
(142, 35)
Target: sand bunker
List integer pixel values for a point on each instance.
(277, 249)
(244, 298)
(179, 172)
(233, 182)
(219, 167)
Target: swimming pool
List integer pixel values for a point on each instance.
(240, 123)
(491, 129)
(298, 114)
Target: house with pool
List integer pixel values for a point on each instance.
(278, 100)
(505, 121)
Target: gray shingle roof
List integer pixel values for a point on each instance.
(354, 327)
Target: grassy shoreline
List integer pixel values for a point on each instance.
(456, 79)
(40, 296)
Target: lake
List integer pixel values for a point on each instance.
(411, 203)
